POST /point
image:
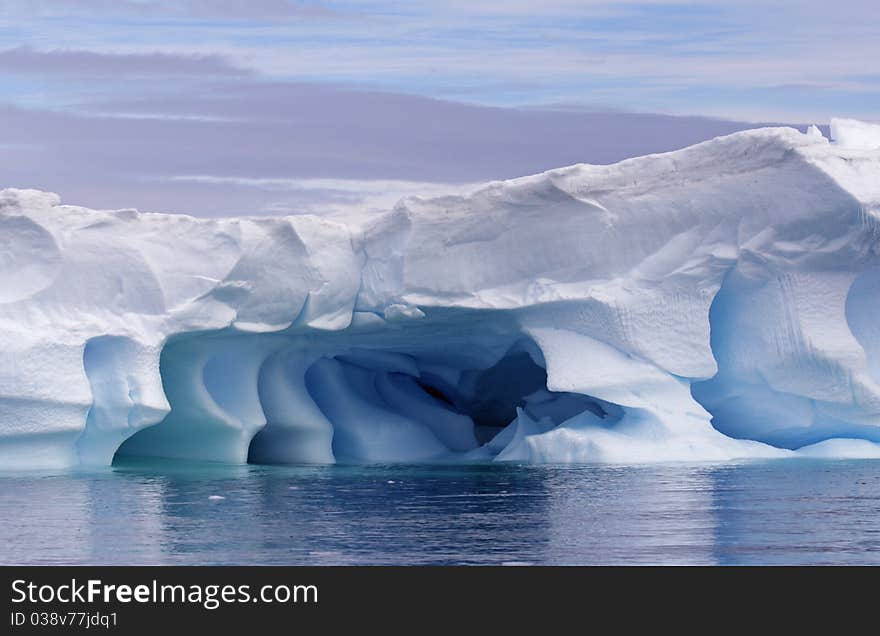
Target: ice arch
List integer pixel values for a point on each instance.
(211, 384)
(466, 386)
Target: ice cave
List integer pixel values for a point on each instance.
(440, 390)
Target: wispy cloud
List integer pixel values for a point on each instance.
(24, 60)
(287, 147)
(352, 199)
(217, 9)
(666, 56)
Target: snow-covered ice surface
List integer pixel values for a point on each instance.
(713, 303)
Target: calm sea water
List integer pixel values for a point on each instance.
(781, 512)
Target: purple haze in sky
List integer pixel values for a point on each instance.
(219, 107)
(156, 153)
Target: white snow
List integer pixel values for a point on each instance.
(813, 131)
(851, 133)
(842, 448)
(712, 303)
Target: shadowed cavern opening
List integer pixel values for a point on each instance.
(354, 397)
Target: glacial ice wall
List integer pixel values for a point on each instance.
(713, 303)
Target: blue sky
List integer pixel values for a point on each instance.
(202, 68)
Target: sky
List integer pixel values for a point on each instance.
(218, 107)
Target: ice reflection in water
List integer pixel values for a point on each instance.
(662, 515)
(792, 511)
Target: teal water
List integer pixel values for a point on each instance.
(779, 512)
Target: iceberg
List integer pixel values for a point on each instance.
(710, 304)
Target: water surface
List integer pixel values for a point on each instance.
(778, 512)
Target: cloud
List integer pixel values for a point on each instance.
(27, 61)
(249, 9)
(165, 9)
(219, 107)
(256, 141)
(670, 56)
(354, 200)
